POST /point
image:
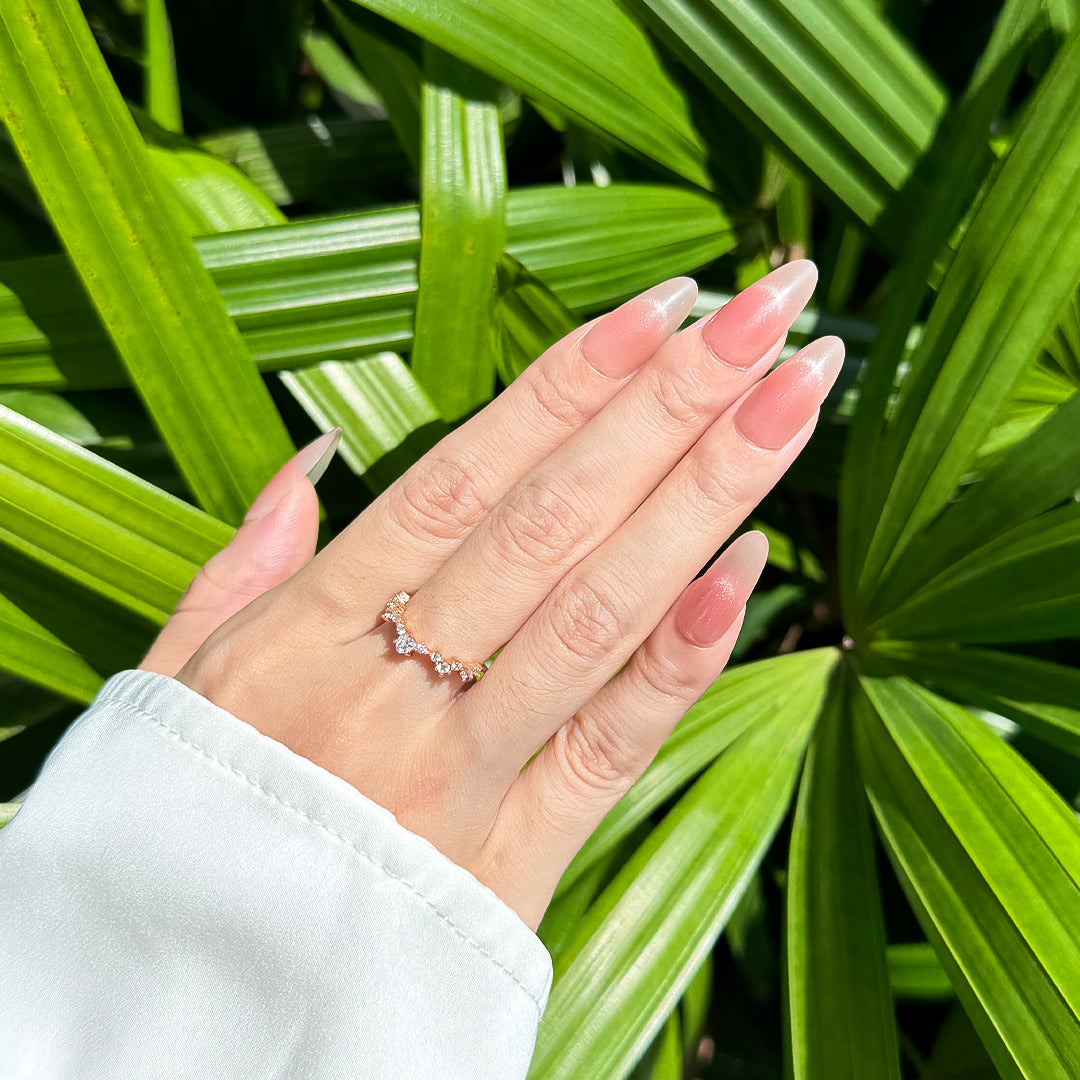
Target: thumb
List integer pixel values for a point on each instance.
(277, 538)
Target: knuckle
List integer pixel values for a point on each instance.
(552, 396)
(541, 523)
(587, 621)
(441, 500)
(593, 758)
(712, 481)
(678, 397)
(665, 684)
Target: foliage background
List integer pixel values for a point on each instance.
(859, 855)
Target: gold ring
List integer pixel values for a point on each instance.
(406, 644)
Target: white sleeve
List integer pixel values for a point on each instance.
(182, 896)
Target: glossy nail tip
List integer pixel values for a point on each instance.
(315, 458)
(796, 280)
(824, 357)
(743, 329)
(777, 408)
(625, 338)
(673, 299)
(310, 461)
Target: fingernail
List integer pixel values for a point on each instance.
(750, 322)
(715, 599)
(311, 461)
(625, 338)
(784, 401)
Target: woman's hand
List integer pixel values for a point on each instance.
(563, 524)
(278, 536)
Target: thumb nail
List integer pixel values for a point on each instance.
(311, 461)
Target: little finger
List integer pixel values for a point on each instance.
(606, 605)
(593, 759)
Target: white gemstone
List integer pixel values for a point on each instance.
(421, 648)
(465, 676)
(405, 644)
(437, 658)
(456, 665)
(442, 668)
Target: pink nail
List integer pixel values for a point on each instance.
(784, 401)
(311, 461)
(749, 323)
(624, 339)
(712, 602)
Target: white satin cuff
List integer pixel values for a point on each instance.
(182, 896)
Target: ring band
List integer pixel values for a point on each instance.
(406, 644)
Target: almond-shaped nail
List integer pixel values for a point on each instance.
(741, 331)
(711, 603)
(311, 461)
(625, 338)
(784, 401)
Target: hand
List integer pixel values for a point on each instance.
(564, 523)
(278, 536)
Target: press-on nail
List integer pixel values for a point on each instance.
(625, 338)
(750, 322)
(715, 599)
(782, 403)
(314, 459)
(311, 461)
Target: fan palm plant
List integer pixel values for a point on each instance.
(876, 804)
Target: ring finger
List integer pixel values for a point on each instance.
(561, 510)
(606, 606)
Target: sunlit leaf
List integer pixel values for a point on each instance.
(832, 82)
(990, 858)
(30, 651)
(338, 288)
(462, 235)
(124, 235)
(1012, 277)
(590, 61)
(841, 1015)
(376, 401)
(745, 696)
(638, 947)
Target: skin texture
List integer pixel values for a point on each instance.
(565, 523)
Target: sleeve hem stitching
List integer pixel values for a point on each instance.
(352, 845)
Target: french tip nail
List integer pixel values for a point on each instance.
(315, 458)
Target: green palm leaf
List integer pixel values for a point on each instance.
(841, 1013)
(638, 947)
(30, 651)
(589, 61)
(956, 166)
(337, 288)
(990, 858)
(832, 82)
(1010, 281)
(743, 697)
(125, 238)
(376, 401)
(95, 554)
(462, 235)
(1042, 697)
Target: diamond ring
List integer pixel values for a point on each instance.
(406, 644)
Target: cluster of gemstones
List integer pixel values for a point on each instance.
(406, 644)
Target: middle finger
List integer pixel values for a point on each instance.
(607, 605)
(580, 494)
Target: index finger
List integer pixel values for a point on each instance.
(413, 526)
